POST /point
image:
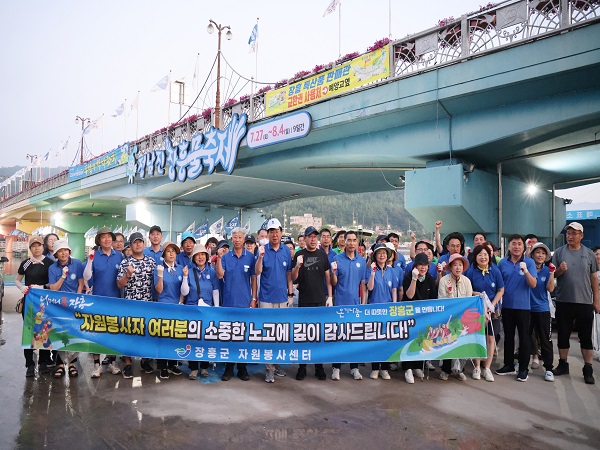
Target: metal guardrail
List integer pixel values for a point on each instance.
(499, 26)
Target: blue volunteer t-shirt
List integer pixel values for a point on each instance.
(207, 278)
(172, 279)
(104, 273)
(539, 294)
(350, 273)
(384, 282)
(155, 255)
(273, 279)
(489, 283)
(516, 290)
(237, 292)
(71, 283)
(401, 261)
(184, 260)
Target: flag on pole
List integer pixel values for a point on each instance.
(118, 111)
(88, 128)
(98, 122)
(119, 229)
(161, 85)
(202, 230)
(331, 7)
(46, 156)
(136, 102)
(253, 38)
(191, 227)
(217, 227)
(264, 224)
(232, 224)
(64, 147)
(247, 227)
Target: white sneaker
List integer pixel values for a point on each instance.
(549, 376)
(335, 374)
(374, 374)
(476, 375)
(356, 374)
(419, 373)
(113, 368)
(408, 376)
(385, 374)
(460, 376)
(270, 376)
(97, 371)
(535, 363)
(443, 376)
(193, 374)
(429, 366)
(203, 373)
(487, 375)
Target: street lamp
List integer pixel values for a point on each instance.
(84, 121)
(211, 28)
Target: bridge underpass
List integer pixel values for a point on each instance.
(534, 107)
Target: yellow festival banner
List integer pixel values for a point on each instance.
(352, 74)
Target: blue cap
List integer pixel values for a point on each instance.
(188, 235)
(310, 230)
(222, 244)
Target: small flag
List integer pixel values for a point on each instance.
(331, 7)
(232, 224)
(247, 227)
(136, 102)
(253, 38)
(264, 224)
(191, 227)
(118, 111)
(64, 147)
(161, 85)
(217, 227)
(46, 156)
(202, 230)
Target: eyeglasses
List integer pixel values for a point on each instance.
(573, 233)
(421, 249)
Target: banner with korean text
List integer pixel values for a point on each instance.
(363, 69)
(423, 330)
(109, 160)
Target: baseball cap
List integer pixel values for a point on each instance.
(382, 237)
(60, 244)
(273, 223)
(137, 236)
(250, 238)
(421, 258)
(222, 244)
(188, 235)
(287, 240)
(34, 239)
(575, 225)
(155, 228)
(310, 230)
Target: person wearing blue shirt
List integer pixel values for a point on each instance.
(427, 248)
(382, 286)
(155, 250)
(101, 272)
(486, 277)
(349, 271)
(274, 266)
(187, 247)
(171, 285)
(540, 306)
(65, 275)
(394, 239)
(520, 277)
(236, 269)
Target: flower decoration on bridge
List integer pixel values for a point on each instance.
(245, 97)
(280, 83)
(346, 57)
(265, 89)
(207, 113)
(379, 44)
(445, 21)
(231, 101)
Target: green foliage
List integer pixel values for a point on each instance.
(455, 326)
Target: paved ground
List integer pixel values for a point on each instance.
(146, 412)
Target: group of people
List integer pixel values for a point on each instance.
(269, 271)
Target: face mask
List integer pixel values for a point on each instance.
(263, 241)
(421, 279)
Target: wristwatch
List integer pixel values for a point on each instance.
(290, 294)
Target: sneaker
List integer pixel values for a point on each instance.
(320, 374)
(43, 369)
(301, 374)
(193, 374)
(356, 374)
(506, 370)
(97, 370)
(127, 371)
(335, 374)
(588, 374)
(146, 367)
(419, 373)
(374, 374)
(460, 376)
(476, 375)
(385, 375)
(523, 375)
(270, 376)
(443, 376)
(562, 368)
(164, 374)
(203, 373)
(487, 375)
(227, 374)
(408, 376)
(113, 368)
(279, 372)
(106, 361)
(175, 370)
(30, 371)
(429, 366)
(243, 374)
(549, 376)
(535, 363)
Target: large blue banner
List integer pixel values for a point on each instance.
(406, 331)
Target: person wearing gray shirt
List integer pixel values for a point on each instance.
(577, 298)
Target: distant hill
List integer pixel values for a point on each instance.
(10, 171)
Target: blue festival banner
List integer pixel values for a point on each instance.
(405, 331)
(111, 159)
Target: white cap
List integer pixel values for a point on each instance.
(575, 225)
(273, 223)
(60, 244)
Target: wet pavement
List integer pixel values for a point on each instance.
(147, 412)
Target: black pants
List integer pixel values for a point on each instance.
(318, 367)
(165, 363)
(516, 319)
(229, 366)
(540, 322)
(380, 366)
(412, 365)
(193, 365)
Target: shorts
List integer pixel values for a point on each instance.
(583, 315)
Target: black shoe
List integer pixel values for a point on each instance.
(164, 374)
(106, 361)
(523, 375)
(30, 371)
(506, 370)
(562, 368)
(301, 374)
(243, 374)
(43, 369)
(146, 367)
(320, 374)
(127, 371)
(227, 374)
(588, 374)
(175, 370)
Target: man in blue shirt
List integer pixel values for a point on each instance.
(237, 269)
(394, 238)
(155, 250)
(349, 271)
(101, 269)
(274, 265)
(187, 248)
(520, 277)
